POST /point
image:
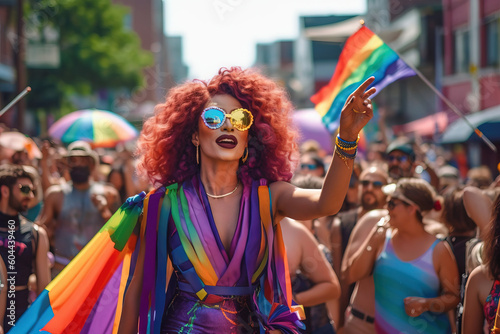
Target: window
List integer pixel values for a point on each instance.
(127, 21)
(461, 51)
(492, 29)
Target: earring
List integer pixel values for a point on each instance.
(197, 154)
(245, 157)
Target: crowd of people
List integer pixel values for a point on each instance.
(385, 242)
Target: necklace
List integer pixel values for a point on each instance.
(224, 195)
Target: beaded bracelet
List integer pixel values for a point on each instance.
(347, 155)
(344, 155)
(347, 145)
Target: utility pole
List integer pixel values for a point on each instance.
(20, 65)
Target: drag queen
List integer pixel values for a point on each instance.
(225, 148)
(209, 256)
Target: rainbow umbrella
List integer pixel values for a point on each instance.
(102, 128)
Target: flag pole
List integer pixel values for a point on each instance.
(452, 107)
(14, 101)
(446, 101)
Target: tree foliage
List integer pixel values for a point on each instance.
(97, 50)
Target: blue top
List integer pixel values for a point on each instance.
(394, 281)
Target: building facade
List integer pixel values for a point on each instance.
(8, 42)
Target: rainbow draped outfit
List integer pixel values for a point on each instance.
(243, 290)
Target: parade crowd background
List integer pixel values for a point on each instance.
(77, 185)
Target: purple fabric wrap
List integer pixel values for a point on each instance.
(148, 282)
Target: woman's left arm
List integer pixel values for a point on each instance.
(305, 204)
(447, 271)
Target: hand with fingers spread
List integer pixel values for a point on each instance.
(357, 111)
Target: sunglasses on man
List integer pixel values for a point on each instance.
(400, 159)
(375, 184)
(26, 189)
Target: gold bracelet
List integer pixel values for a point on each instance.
(341, 156)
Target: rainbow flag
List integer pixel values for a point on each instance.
(364, 55)
(87, 296)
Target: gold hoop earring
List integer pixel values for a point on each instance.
(197, 154)
(245, 157)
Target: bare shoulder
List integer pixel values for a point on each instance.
(42, 232)
(376, 214)
(443, 251)
(54, 195)
(479, 276)
(370, 219)
(479, 283)
(54, 190)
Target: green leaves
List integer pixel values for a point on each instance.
(97, 50)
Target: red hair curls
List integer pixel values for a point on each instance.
(167, 155)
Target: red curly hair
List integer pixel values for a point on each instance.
(167, 155)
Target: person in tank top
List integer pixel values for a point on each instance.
(415, 274)
(482, 292)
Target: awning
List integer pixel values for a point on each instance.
(399, 35)
(336, 32)
(487, 121)
(426, 126)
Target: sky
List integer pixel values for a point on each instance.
(223, 33)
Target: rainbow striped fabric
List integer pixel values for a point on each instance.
(364, 55)
(87, 296)
(83, 298)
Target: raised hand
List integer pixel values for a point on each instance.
(357, 111)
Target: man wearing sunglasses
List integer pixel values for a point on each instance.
(74, 212)
(402, 162)
(26, 241)
(400, 159)
(343, 231)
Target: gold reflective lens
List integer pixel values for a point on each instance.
(241, 119)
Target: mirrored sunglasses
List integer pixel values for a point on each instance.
(375, 184)
(214, 118)
(401, 158)
(26, 189)
(308, 166)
